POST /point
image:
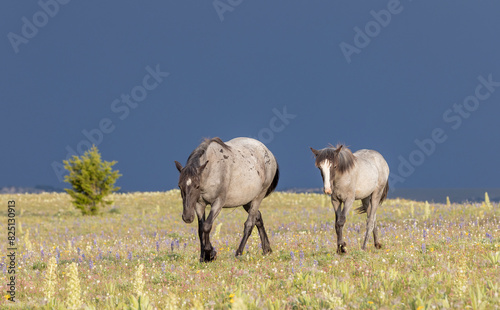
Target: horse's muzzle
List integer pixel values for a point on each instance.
(327, 191)
(188, 220)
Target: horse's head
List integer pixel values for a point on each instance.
(190, 186)
(327, 160)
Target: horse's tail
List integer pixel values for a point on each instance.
(384, 194)
(273, 185)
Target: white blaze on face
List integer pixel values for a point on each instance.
(188, 182)
(325, 168)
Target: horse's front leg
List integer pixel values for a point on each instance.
(340, 219)
(337, 206)
(200, 212)
(209, 253)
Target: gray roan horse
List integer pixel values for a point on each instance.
(240, 172)
(346, 177)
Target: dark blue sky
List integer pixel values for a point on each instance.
(343, 71)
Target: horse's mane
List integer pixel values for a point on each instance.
(343, 159)
(193, 162)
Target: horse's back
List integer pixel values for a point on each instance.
(253, 157)
(243, 172)
(375, 158)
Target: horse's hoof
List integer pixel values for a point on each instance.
(341, 250)
(378, 245)
(213, 255)
(209, 256)
(267, 251)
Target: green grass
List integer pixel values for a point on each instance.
(446, 259)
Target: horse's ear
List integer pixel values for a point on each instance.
(200, 169)
(178, 165)
(315, 152)
(339, 148)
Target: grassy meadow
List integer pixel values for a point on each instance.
(434, 256)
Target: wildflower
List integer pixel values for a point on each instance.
(74, 298)
(138, 282)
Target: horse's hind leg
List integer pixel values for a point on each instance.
(253, 212)
(266, 246)
(370, 222)
(378, 245)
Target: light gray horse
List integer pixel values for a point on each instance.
(240, 172)
(346, 177)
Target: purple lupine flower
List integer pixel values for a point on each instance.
(117, 255)
(185, 245)
(83, 256)
(91, 264)
(301, 254)
(423, 247)
(489, 237)
(157, 246)
(292, 255)
(425, 233)
(78, 250)
(163, 267)
(42, 253)
(177, 243)
(172, 245)
(129, 255)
